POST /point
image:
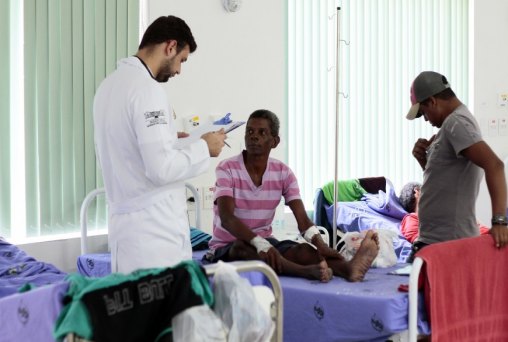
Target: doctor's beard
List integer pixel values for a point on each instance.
(165, 72)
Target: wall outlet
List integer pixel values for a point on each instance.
(502, 99)
(208, 197)
(493, 127)
(503, 127)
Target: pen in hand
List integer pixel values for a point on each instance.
(225, 143)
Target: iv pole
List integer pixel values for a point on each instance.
(337, 93)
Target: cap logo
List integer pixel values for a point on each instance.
(412, 95)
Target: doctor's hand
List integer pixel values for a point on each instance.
(215, 141)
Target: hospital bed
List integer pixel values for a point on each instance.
(373, 310)
(32, 294)
(17, 268)
(32, 315)
(98, 264)
(377, 209)
(27, 314)
(139, 287)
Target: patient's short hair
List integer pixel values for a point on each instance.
(270, 116)
(407, 196)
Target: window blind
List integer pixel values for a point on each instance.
(385, 45)
(69, 46)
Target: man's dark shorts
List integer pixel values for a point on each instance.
(222, 253)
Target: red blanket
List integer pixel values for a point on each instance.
(467, 289)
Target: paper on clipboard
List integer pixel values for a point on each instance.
(196, 134)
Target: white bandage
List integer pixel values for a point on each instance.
(310, 232)
(261, 245)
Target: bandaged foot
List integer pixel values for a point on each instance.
(364, 257)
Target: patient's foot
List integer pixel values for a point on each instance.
(364, 257)
(320, 272)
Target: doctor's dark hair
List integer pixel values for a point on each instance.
(407, 196)
(270, 116)
(168, 28)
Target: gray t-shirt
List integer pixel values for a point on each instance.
(446, 209)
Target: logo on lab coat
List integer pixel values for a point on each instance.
(156, 117)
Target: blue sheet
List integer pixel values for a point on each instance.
(358, 216)
(99, 265)
(371, 310)
(30, 316)
(18, 269)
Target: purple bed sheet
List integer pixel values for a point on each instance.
(17, 269)
(30, 316)
(98, 265)
(371, 310)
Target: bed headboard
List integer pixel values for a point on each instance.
(90, 197)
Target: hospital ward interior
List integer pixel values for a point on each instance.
(340, 77)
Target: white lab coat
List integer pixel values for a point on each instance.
(143, 173)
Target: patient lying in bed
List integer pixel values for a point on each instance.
(248, 189)
(409, 197)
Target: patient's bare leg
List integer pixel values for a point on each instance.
(355, 269)
(304, 261)
(317, 270)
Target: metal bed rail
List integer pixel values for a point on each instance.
(92, 195)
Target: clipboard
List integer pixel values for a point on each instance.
(196, 134)
(232, 126)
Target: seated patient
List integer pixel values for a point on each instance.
(248, 189)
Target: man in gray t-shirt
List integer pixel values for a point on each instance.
(452, 161)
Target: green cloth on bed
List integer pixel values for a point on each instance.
(348, 191)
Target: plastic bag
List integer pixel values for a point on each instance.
(198, 324)
(236, 305)
(386, 256)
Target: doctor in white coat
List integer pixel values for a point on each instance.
(143, 172)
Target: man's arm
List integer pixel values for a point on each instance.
(241, 231)
(483, 156)
(237, 228)
(310, 231)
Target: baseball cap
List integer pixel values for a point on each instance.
(425, 85)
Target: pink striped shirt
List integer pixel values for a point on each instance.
(254, 206)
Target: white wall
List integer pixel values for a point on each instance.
(240, 66)
(490, 78)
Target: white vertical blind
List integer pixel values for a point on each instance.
(386, 44)
(59, 52)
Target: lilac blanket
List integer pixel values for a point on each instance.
(18, 269)
(371, 310)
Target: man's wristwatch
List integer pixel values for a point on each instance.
(499, 220)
